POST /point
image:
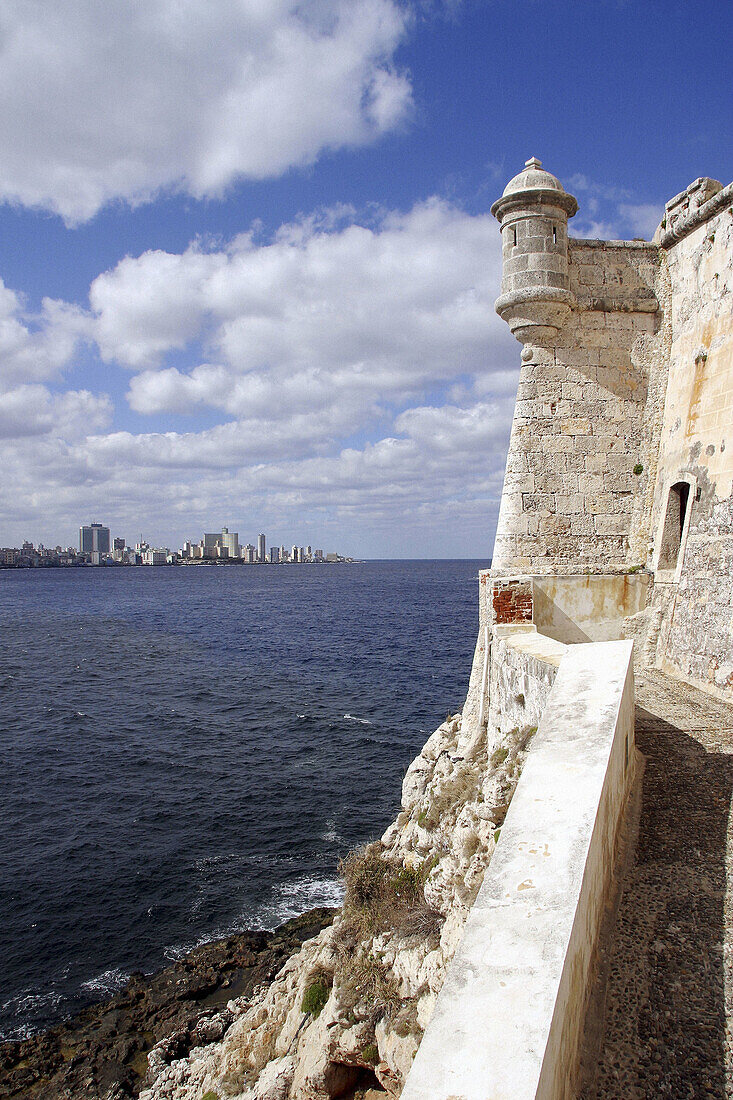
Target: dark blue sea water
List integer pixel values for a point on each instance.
(186, 752)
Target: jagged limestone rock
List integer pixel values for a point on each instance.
(383, 979)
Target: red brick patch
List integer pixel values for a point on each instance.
(512, 601)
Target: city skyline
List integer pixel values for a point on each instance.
(269, 289)
(97, 546)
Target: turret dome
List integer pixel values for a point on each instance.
(537, 182)
(533, 175)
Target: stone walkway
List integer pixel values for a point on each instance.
(670, 956)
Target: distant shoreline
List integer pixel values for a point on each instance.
(176, 564)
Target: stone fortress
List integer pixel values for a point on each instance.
(616, 522)
(549, 916)
(621, 454)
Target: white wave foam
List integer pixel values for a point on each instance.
(177, 951)
(355, 718)
(330, 834)
(29, 999)
(18, 1034)
(290, 899)
(110, 981)
(207, 862)
(27, 1002)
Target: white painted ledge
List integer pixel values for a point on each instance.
(527, 639)
(509, 1018)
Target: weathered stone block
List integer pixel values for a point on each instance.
(600, 503)
(590, 484)
(568, 503)
(554, 525)
(526, 390)
(582, 525)
(563, 482)
(578, 425)
(574, 391)
(545, 372)
(595, 464)
(517, 462)
(580, 357)
(617, 480)
(519, 483)
(575, 462)
(611, 525)
(543, 463)
(554, 444)
(543, 503)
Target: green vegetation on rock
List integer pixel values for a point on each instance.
(370, 1053)
(315, 997)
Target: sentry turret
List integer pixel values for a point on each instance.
(533, 213)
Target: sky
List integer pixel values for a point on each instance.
(248, 266)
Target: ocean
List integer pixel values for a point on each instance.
(187, 752)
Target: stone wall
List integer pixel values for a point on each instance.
(587, 414)
(524, 664)
(509, 1018)
(695, 594)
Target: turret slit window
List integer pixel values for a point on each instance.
(554, 234)
(514, 236)
(674, 525)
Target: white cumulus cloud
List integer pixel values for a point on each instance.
(35, 346)
(118, 99)
(324, 329)
(32, 410)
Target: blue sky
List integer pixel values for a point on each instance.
(247, 262)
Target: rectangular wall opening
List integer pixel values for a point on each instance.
(674, 525)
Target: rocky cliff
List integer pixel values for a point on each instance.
(347, 1012)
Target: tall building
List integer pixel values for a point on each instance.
(230, 542)
(295, 554)
(94, 539)
(261, 548)
(119, 544)
(274, 554)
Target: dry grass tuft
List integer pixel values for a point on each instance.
(366, 986)
(383, 896)
(447, 802)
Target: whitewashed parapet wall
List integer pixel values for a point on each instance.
(509, 1019)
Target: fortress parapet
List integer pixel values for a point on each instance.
(533, 212)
